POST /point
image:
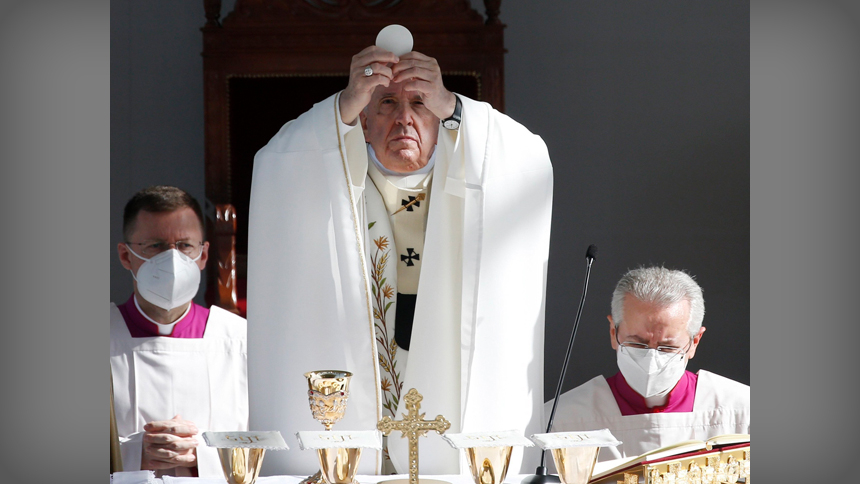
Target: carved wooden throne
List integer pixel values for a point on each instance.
(271, 60)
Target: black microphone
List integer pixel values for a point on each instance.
(540, 476)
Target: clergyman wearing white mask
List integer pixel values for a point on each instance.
(653, 401)
(178, 369)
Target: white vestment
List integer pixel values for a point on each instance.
(477, 340)
(202, 379)
(721, 406)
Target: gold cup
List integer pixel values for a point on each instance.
(339, 465)
(575, 464)
(489, 465)
(328, 393)
(241, 465)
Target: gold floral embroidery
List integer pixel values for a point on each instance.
(383, 298)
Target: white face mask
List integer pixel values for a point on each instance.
(168, 280)
(650, 372)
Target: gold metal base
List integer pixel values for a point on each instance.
(489, 465)
(314, 479)
(241, 465)
(339, 464)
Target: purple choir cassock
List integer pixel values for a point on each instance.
(195, 367)
(191, 325)
(681, 398)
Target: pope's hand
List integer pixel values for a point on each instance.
(357, 94)
(169, 443)
(421, 73)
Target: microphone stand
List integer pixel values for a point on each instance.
(540, 476)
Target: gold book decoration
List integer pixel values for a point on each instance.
(413, 426)
(723, 459)
(629, 479)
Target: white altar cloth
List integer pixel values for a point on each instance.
(453, 479)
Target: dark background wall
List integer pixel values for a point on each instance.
(644, 107)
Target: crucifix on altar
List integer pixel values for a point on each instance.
(413, 426)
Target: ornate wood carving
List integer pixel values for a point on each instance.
(213, 12)
(297, 11)
(493, 9)
(222, 252)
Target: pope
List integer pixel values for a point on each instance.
(399, 231)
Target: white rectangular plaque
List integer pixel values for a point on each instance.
(562, 440)
(269, 440)
(487, 439)
(348, 439)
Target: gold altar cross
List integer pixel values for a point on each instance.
(413, 426)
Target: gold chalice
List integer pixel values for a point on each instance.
(489, 465)
(241, 465)
(575, 464)
(339, 465)
(328, 393)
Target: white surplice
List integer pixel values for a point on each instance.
(477, 344)
(202, 379)
(721, 406)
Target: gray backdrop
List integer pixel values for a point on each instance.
(54, 140)
(644, 108)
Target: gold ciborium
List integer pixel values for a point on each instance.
(339, 465)
(328, 393)
(575, 464)
(241, 465)
(489, 465)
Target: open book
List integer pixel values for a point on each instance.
(687, 448)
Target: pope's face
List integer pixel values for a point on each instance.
(401, 130)
(179, 225)
(655, 325)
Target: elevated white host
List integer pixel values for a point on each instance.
(395, 38)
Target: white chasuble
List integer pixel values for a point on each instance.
(721, 406)
(202, 379)
(476, 351)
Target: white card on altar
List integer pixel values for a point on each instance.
(133, 477)
(269, 440)
(487, 439)
(347, 439)
(396, 39)
(562, 440)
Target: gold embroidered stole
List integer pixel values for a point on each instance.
(397, 222)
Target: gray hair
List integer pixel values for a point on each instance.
(663, 287)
